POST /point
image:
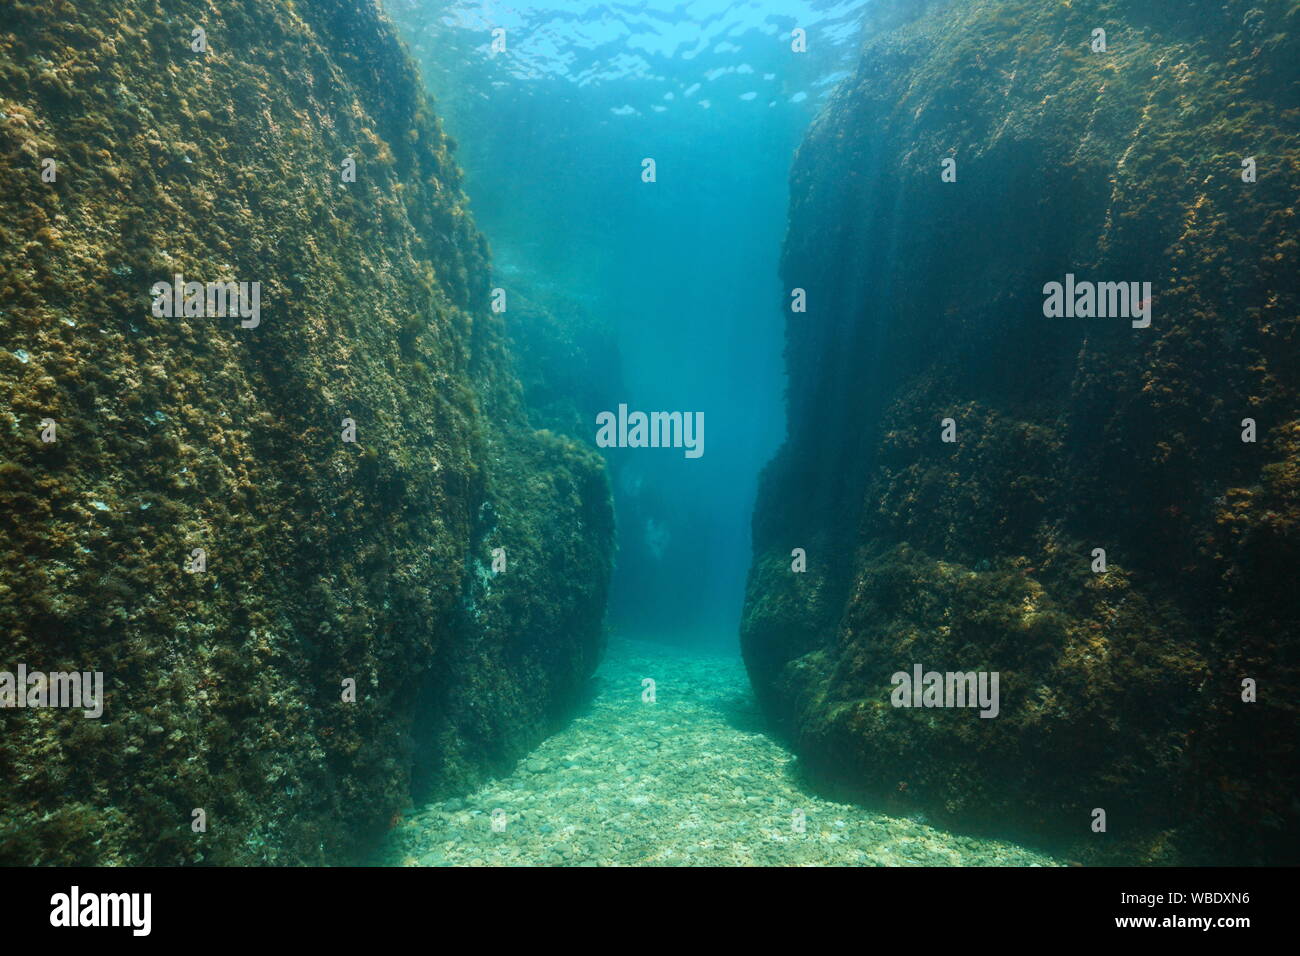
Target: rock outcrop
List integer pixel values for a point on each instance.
(1120, 690)
(326, 560)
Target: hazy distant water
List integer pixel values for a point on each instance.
(552, 135)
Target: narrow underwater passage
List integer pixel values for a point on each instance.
(669, 765)
(630, 167)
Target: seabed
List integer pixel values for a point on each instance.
(689, 779)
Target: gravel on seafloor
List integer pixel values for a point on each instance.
(688, 780)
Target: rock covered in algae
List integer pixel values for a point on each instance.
(326, 560)
(1119, 690)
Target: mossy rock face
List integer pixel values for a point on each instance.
(1119, 690)
(326, 560)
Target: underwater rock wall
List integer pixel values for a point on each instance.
(531, 638)
(324, 560)
(1120, 690)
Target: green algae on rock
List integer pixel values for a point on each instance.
(1120, 690)
(326, 561)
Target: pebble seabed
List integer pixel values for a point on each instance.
(689, 779)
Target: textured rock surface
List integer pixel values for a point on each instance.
(1119, 690)
(326, 560)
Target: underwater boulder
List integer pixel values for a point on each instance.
(960, 452)
(272, 530)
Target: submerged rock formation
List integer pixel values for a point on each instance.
(1120, 690)
(325, 560)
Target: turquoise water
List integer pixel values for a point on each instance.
(552, 135)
